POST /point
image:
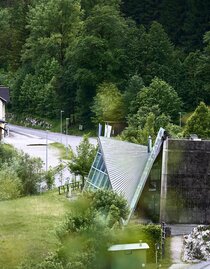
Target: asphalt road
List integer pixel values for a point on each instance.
(33, 142)
(71, 140)
(202, 265)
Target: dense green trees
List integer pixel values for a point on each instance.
(5, 37)
(161, 94)
(185, 22)
(98, 55)
(58, 54)
(52, 27)
(155, 106)
(203, 70)
(159, 58)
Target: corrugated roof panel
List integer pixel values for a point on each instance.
(125, 163)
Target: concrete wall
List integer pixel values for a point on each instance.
(185, 182)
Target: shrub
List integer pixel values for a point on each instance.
(7, 152)
(10, 184)
(110, 204)
(88, 229)
(49, 178)
(25, 171)
(29, 170)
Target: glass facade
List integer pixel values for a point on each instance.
(98, 176)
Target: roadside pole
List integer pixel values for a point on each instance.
(67, 125)
(46, 150)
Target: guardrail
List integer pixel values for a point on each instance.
(70, 186)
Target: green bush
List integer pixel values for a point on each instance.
(7, 152)
(26, 171)
(10, 184)
(49, 177)
(80, 218)
(29, 170)
(88, 229)
(111, 205)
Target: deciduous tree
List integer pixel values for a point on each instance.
(81, 161)
(108, 104)
(162, 94)
(199, 122)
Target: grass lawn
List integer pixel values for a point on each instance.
(62, 150)
(27, 227)
(166, 261)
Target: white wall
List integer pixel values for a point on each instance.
(2, 110)
(2, 117)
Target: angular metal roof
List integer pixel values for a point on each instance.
(125, 163)
(146, 171)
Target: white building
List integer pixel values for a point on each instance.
(4, 99)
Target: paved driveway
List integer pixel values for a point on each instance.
(35, 147)
(33, 142)
(71, 140)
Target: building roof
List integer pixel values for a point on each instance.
(146, 171)
(4, 94)
(124, 162)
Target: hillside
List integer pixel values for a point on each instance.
(91, 59)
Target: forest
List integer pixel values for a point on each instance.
(141, 63)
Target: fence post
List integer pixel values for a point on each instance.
(163, 236)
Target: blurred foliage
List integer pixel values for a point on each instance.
(88, 229)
